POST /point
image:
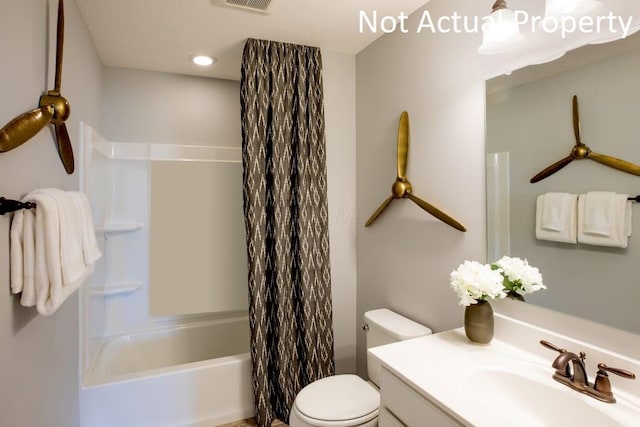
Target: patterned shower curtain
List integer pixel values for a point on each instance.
(286, 218)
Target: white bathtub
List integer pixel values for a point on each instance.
(195, 375)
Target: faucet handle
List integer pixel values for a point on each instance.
(602, 385)
(553, 347)
(617, 371)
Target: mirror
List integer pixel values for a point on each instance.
(529, 127)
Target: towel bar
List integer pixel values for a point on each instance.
(8, 205)
(635, 199)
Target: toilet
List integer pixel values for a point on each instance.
(348, 400)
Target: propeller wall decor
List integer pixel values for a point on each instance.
(581, 151)
(402, 188)
(53, 109)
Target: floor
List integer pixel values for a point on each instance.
(251, 422)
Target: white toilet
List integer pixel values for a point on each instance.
(348, 400)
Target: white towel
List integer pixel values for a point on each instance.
(28, 298)
(619, 216)
(556, 217)
(16, 250)
(554, 211)
(71, 229)
(55, 250)
(22, 253)
(598, 213)
(90, 248)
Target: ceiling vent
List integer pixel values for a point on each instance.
(259, 6)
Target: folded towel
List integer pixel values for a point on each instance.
(53, 248)
(48, 261)
(71, 229)
(90, 248)
(16, 252)
(554, 211)
(598, 213)
(28, 298)
(556, 215)
(620, 219)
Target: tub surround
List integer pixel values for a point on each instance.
(427, 378)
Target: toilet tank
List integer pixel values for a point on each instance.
(382, 327)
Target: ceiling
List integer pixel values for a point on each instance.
(160, 35)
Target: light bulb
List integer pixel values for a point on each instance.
(202, 60)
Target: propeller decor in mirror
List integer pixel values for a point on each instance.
(402, 188)
(53, 109)
(581, 151)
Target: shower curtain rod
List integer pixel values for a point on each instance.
(8, 205)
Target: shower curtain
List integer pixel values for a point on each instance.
(286, 219)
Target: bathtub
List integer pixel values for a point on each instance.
(195, 375)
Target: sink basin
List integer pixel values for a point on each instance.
(526, 395)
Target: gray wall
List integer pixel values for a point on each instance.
(145, 106)
(39, 357)
(404, 259)
(533, 122)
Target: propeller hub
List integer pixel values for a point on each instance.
(580, 152)
(400, 189)
(61, 107)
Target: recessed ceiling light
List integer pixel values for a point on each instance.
(202, 60)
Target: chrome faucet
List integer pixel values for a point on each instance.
(570, 371)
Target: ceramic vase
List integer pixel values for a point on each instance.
(478, 322)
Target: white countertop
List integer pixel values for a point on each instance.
(444, 369)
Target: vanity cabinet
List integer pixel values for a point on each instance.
(401, 405)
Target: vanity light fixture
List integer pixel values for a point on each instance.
(501, 32)
(202, 60)
(576, 8)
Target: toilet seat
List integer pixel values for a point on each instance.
(344, 400)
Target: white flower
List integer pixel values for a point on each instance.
(519, 275)
(473, 281)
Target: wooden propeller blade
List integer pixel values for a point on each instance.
(437, 213)
(552, 169)
(59, 46)
(65, 150)
(576, 120)
(24, 127)
(615, 163)
(378, 211)
(403, 145)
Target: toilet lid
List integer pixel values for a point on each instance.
(338, 398)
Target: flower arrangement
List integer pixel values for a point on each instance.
(519, 276)
(473, 281)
